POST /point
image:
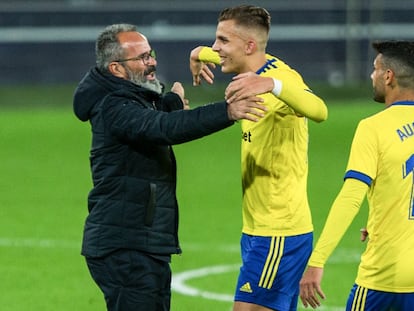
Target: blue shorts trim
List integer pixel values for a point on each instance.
(364, 299)
(271, 270)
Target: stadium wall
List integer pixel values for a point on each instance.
(53, 41)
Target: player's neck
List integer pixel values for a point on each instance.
(401, 95)
(255, 62)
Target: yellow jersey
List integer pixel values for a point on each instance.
(382, 157)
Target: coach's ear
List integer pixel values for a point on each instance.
(117, 70)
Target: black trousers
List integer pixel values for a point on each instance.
(132, 281)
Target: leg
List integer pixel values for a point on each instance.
(132, 281)
(244, 306)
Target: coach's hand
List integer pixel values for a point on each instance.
(248, 109)
(178, 89)
(310, 287)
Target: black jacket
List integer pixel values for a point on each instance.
(133, 202)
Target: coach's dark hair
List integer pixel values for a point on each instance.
(107, 47)
(399, 57)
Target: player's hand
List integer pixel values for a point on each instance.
(248, 84)
(249, 109)
(200, 70)
(364, 234)
(179, 90)
(310, 287)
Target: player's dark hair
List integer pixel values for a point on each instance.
(402, 51)
(398, 56)
(247, 15)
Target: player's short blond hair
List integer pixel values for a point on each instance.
(250, 17)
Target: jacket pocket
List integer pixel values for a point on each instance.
(150, 208)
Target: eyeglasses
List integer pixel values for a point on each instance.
(145, 57)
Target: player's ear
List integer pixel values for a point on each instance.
(251, 46)
(389, 76)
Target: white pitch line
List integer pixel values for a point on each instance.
(179, 282)
(38, 243)
(340, 255)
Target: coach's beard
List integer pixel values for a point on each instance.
(139, 78)
(153, 85)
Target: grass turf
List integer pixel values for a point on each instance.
(46, 178)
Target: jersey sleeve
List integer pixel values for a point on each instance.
(207, 55)
(363, 159)
(294, 91)
(341, 215)
(301, 99)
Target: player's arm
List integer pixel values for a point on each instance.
(202, 60)
(341, 215)
(301, 99)
(343, 211)
(290, 89)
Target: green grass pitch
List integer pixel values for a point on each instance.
(45, 179)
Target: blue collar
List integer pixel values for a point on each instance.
(268, 65)
(403, 103)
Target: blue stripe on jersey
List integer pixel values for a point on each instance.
(268, 65)
(358, 175)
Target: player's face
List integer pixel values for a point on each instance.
(230, 44)
(378, 81)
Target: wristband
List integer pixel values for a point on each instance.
(277, 89)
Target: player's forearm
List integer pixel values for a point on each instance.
(302, 100)
(342, 212)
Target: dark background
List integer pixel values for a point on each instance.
(327, 41)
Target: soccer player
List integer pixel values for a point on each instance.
(381, 166)
(277, 227)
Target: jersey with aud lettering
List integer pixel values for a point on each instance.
(382, 156)
(274, 159)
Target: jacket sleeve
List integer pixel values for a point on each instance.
(133, 123)
(170, 102)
